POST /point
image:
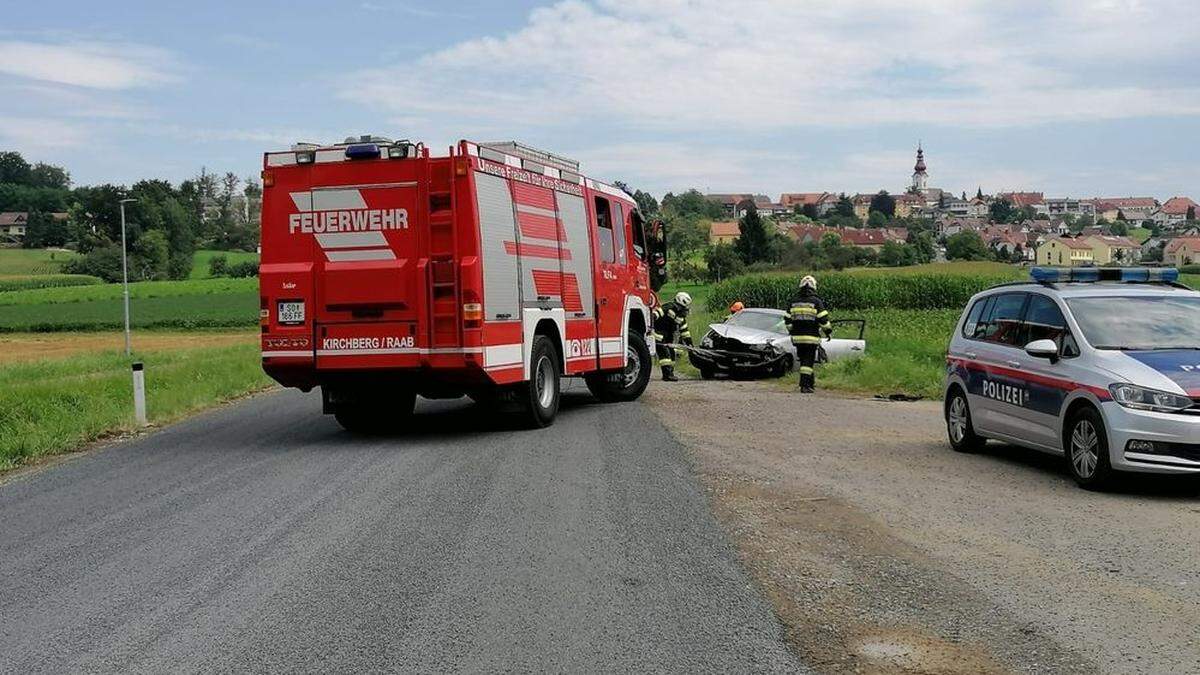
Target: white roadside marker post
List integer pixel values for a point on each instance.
(139, 393)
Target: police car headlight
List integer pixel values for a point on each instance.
(1141, 398)
(706, 342)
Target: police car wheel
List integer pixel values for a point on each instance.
(958, 423)
(540, 395)
(1086, 445)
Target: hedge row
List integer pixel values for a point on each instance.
(855, 291)
(25, 283)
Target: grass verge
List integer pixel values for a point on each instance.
(22, 261)
(203, 256)
(49, 407)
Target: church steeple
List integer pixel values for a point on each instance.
(920, 178)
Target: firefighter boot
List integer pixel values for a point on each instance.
(669, 374)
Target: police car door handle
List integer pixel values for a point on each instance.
(970, 355)
(1014, 364)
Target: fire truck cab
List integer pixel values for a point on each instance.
(492, 272)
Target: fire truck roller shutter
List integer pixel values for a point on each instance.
(539, 245)
(497, 225)
(573, 214)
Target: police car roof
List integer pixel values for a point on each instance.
(1075, 289)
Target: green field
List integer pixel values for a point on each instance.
(53, 406)
(200, 262)
(22, 262)
(206, 303)
(906, 348)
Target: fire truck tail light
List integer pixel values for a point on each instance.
(462, 166)
(472, 311)
(268, 179)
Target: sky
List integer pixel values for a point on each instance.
(1069, 97)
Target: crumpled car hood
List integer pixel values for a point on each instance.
(750, 336)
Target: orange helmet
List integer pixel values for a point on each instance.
(736, 307)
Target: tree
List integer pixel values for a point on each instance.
(810, 210)
(883, 203)
(49, 176)
(1001, 211)
(966, 245)
(646, 202)
(845, 207)
(685, 235)
(691, 203)
(14, 168)
(150, 257)
(1191, 213)
(877, 219)
(894, 254)
(753, 244)
(722, 262)
(922, 246)
(1119, 229)
(43, 230)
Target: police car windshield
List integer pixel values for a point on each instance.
(1139, 322)
(757, 320)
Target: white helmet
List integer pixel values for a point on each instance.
(683, 299)
(809, 281)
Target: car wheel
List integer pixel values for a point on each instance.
(630, 383)
(958, 423)
(1086, 445)
(783, 367)
(540, 395)
(707, 373)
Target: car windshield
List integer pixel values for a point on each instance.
(1139, 322)
(748, 318)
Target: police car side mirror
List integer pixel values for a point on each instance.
(1043, 349)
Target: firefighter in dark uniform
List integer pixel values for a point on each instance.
(671, 327)
(807, 320)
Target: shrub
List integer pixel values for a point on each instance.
(842, 290)
(218, 266)
(244, 269)
(1189, 269)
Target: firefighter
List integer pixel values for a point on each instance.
(671, 327)
(807, 319)
(736, 307)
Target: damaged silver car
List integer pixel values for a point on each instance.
(755, 343)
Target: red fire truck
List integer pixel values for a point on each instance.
(492, 271)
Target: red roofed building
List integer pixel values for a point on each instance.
(1134, 209)
(1182, 251)
(724, 232)
(1176, 210)
(1022, 199)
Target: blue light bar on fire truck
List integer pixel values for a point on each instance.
(1044, 275)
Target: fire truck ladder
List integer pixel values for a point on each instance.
(443, 255)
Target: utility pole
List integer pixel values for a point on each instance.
(125, 276)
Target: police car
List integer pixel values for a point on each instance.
(1099, 365)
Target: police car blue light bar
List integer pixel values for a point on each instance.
(1147, 275)
(362, 151)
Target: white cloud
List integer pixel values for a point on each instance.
(95, 65)
(30, 133)
(763, 65)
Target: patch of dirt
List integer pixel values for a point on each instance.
(791, 480)
(25, 347)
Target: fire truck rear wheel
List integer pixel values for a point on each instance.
(630, 383)
(385, 414)
(540, 395)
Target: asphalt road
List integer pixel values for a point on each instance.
(260, 537)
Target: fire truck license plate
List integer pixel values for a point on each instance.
(291, 312)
